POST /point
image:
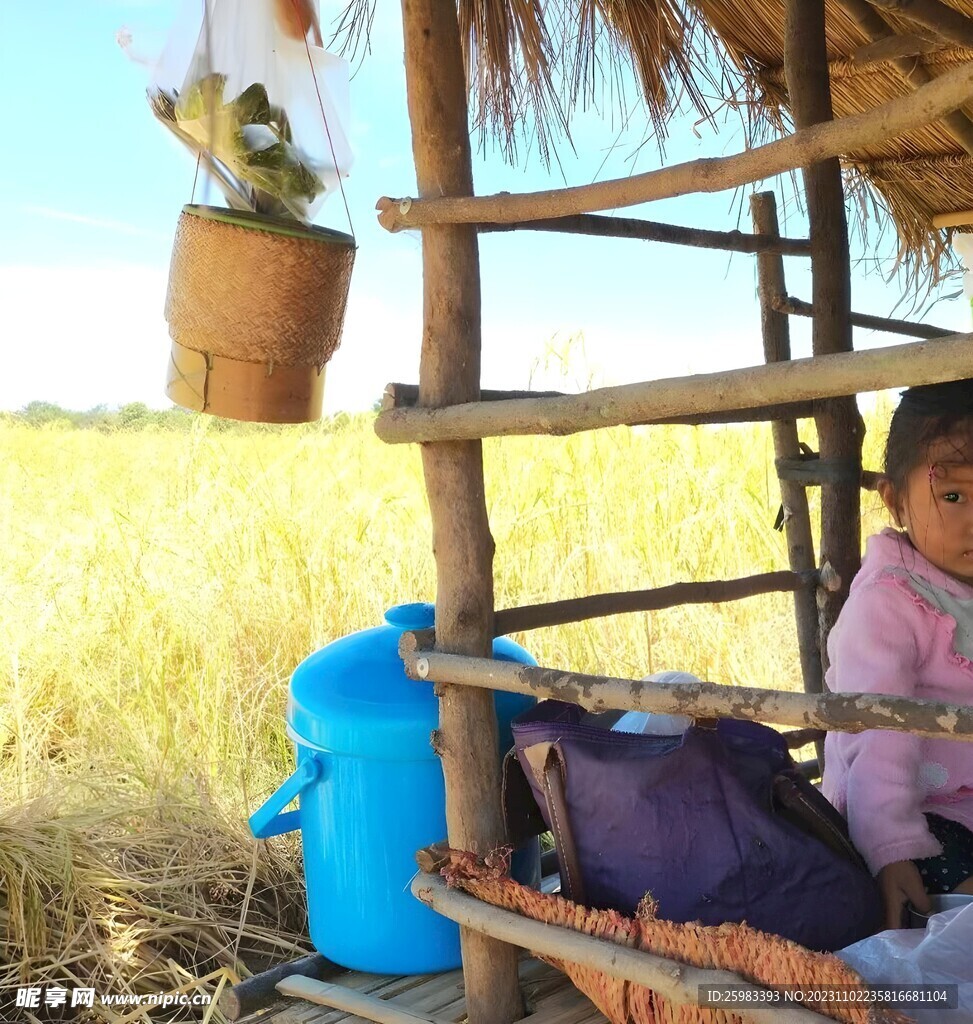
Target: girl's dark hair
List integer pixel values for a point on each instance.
(924, 415)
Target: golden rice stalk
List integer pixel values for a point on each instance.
(140, 899)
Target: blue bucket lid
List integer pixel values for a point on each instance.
(353, 696)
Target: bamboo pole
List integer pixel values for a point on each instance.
(577, 609)
(775, 330)
(875, 27)
(360, 1004)
(678, 982)
(783, 303)
(947, 22)
(406, 396)
(654, 231)
(796, 380)
(449, 372)
(840, 427)
(804, 147)
(841, 712)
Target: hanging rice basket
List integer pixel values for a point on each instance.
(255, 308)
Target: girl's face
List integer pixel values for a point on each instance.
(936, 506)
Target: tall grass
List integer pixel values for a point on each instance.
(158, 589)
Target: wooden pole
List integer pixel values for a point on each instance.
(449, 372)
(797, 519)
(889, 47)
(947, 22)
(678, 982)
(796, 380)
(840, 427)
(795, 307)
(957, 219)
(654, 231)
(577, 609)
(878, 30)
(843, 712)
(406, 396)
(803, 148)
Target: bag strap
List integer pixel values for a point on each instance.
(572, 884)
(800, 803)
(522, 817)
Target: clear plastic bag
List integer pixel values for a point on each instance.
(246, 84)
(936, 955)
(652, 724)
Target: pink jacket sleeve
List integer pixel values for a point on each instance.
(874, 648)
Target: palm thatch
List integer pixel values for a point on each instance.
(919, 175)
(531, 63)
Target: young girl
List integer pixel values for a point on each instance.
(907, 630)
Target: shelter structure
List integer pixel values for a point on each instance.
(879, 94)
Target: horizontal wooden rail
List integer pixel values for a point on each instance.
(812, 472)
(805, 147)
(841, 712)
(678, 982)
(577, 609)
(406, 396)
(797, 738)
(957, 219)
(793, 380)
(654, 231)
(796, 307)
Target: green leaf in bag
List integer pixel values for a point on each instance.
(201, 98)
(252, 106)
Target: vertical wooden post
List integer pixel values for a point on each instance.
(775, 331)
(449, 373)
(840, 428)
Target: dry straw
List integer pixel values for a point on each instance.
(140, 899)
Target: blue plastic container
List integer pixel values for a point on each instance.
(371, 794)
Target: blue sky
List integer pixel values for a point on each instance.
(94, 186)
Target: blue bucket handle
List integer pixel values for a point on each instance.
(268, 820)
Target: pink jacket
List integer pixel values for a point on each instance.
(889, 639)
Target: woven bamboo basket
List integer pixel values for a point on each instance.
(255, 307)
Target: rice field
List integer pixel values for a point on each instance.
(158, 588)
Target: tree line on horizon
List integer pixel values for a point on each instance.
(139, 416)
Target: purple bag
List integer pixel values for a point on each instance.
(716, 824)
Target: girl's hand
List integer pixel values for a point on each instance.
(900, 882)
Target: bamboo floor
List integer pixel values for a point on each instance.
(550, 998)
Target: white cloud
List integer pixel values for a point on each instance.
(103, 223)
(82, 336)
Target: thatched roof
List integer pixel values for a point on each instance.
(918, 175)
(532, 61)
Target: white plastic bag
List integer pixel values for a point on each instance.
(246, 83)
(940, 954)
